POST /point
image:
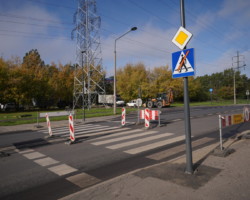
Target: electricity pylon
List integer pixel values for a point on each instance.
(89, 75)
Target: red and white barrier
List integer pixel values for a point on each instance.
(48, 124)
(229, 120)
(226, 121)
(123, 116)
(154, 115)
(151, 115)
(71, 129)
(142, 114)
(147, 118)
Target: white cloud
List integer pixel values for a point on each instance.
(18, 36)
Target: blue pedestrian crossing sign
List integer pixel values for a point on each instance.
(183, 63)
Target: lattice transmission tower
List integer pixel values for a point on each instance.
(89, 75)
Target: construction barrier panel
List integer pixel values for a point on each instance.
(152, 115)
(71, 129)
(229, 120)
(48, 124)
(123, 116)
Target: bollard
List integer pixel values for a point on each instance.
(48, 124)
(71, 129)
(123, 116)
(147, 118)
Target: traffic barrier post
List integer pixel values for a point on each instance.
(123, 116)
(147, 118)
(49, 125)
(71, 129)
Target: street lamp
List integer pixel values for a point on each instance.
(132, 29)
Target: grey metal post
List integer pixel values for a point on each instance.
(189, 159)
(159, 118)
(114, 101)
(138, 111)
(37, 125)
(220, 129)
(83, 89)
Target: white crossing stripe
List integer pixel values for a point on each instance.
(62, 169)
(197, 155)
(25, 151)
(178, 149)
(123, 138)
(105, 132)
(154, 145)
(33, 155)
(125, 144)
(88, 130)
(118, 134)
(77, 127)
(46, 161)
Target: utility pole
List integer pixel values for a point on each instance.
(237, 62)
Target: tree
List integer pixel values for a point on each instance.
(130, 79)
(4, 80)
(32, 59)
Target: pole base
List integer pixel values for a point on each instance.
(223, 153)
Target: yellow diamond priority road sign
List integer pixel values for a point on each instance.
(181, 38)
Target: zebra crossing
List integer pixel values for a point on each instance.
(127, 140)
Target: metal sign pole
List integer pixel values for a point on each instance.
(220, 128)
(189, 159)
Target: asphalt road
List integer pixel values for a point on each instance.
(36, 167)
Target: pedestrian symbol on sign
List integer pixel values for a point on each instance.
(183, 63)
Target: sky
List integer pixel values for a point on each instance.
(220, 28)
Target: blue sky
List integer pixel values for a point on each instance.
(219, 28)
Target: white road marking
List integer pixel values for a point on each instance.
(24, 151)
(154, 145)
(197, 155)
(178, 149)
(82, 131)
(124, 138)
(33, 155)
(62, 169)
(46, 161)
(176, 120)
(125, 144)
(118, 134)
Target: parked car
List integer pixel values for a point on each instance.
(132, 103)
(119, 101)
(12, 107)
(9, 107)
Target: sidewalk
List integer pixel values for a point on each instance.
(221, 178)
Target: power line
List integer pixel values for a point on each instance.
(33, 18)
